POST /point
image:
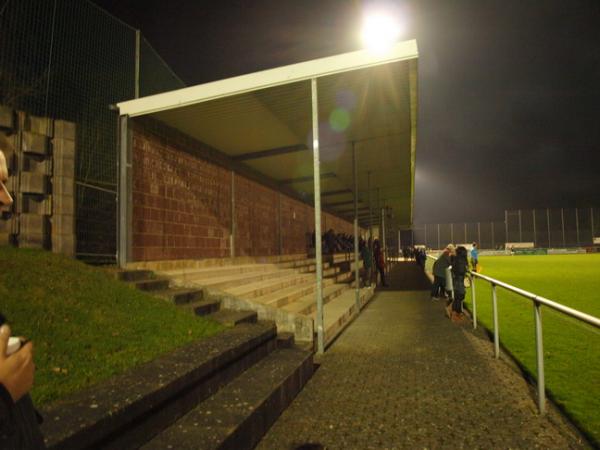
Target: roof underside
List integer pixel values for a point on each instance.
(371, 106)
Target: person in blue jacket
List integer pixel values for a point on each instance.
(474, 257)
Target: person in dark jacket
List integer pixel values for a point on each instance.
(379, 261)
(439, 273)
(460, 267)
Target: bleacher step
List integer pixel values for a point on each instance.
(231, 318)
(151, 284)
(239, 414)
(204, 307)
(180, 296)
(134, 275)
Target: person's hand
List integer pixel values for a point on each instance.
(16, 370)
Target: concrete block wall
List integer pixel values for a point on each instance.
(40, 154)
(182, 206)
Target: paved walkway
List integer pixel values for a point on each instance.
(403, 376)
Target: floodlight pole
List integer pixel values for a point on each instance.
(577, 224)
(534, 230)
(520, 228)
(318, 247)
(592, 223)
(355, 179)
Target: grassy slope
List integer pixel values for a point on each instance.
(571, 349)
(86, 326)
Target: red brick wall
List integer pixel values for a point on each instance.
(181, 204)
(182, 208)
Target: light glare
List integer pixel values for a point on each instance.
(380, 32)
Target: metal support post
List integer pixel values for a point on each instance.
(233, 224)
(577, 224)
(124, 193)
(318, 246)
(370, 210)
(539, 351)
(548, 222)
(520, 228)
(496, 329)
(356, 271)
(562, 221)
(279, 223)
(383, 243)
(493, 237)
(474, 301)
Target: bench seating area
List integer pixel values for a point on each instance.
(283, 291)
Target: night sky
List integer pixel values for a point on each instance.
(509, 91)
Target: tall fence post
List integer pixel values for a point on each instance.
(548, 222)
(520, 228)
(496, 328)
(577, 225)
(562, 221)
(539, 350)
(506, 224)
(138, 36)
(592, 223)
(493, 237)
(534, 231)
(474, 301)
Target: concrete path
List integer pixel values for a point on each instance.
(403, 376)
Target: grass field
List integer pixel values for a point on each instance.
(85, 325)
(571, 349)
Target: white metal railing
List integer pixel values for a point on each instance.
(537, 301)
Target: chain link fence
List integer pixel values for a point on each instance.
(545, 228)
(71, 60)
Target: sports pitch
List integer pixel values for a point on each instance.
(571, 348)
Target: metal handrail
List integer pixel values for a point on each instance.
(538, 301)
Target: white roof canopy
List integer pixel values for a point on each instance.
(263, 120)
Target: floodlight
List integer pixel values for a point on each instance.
(380, 32)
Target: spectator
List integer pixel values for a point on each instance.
(439, 273)
(19, 427)
(379, 261)
(474, 257)
(460, 266)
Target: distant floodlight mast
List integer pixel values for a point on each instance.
(380, 32)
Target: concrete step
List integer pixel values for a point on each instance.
(285, 340)
(204, 307)
(308, 304)
(231, 281)
(130, 409)
(301, 264)
(282, 297)
(231, 318)
(152, 284)
(180, 296)
(218, 271)
(241, 413)
(134, 275)
(265, 287)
